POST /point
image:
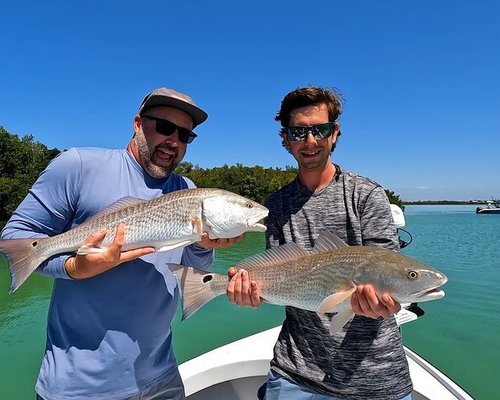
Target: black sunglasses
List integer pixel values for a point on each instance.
(320, 131)
(167, 128)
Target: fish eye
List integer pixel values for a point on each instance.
(248, 205)
(412, 274)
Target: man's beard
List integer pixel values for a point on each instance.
(146, 156)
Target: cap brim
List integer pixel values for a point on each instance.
(199, 116)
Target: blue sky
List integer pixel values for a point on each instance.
(421, 80)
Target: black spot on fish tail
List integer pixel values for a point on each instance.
(22, 257)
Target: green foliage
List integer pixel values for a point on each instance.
(394, 199)
(255, 183)
(21, 161)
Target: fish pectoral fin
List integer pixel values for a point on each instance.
(89, 249)
(197, 225)
(174, 245)
(327, 241)
(343, 316)
(404, 316)
(330, 302)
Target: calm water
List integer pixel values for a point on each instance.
(459, 334)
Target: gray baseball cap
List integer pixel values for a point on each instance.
(169, 97)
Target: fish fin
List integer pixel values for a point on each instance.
(332, 301)
(196, 287)
(89, 249)
(327, 241)
(343, 316)
(273, 257)
(174, 245)
(403, 316)
(23, 258)
(197, 225)
(126, 201)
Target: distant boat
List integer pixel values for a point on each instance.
(492, 207)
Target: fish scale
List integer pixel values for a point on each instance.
(307, 281)
(143, 223)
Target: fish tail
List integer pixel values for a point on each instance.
(23, 257)
(198, 287)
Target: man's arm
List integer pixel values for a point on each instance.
(47, 210)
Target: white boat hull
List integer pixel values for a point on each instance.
(235, 371)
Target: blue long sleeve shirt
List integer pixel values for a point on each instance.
(108, 336)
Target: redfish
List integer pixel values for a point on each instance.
(322, 280)
(166, 222)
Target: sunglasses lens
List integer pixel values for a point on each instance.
(185, 135)
(165, 127)
(298, 133)
(323, 131)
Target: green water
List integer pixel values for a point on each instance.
(459, 334)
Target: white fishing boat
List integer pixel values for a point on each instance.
(492, 207)
(235, 372)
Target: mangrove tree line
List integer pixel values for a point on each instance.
(22, 159)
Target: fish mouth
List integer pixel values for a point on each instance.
(434, 292)
(254, 223)
(430, 294)
(257, 227)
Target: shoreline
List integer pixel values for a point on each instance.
(444, 203)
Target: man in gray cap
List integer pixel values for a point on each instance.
(109, 333)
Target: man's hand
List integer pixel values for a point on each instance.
(366, 302)
(219, 243)
(88, 265)
(240, 290)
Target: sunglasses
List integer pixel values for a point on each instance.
(320, 131)
(167, 128)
